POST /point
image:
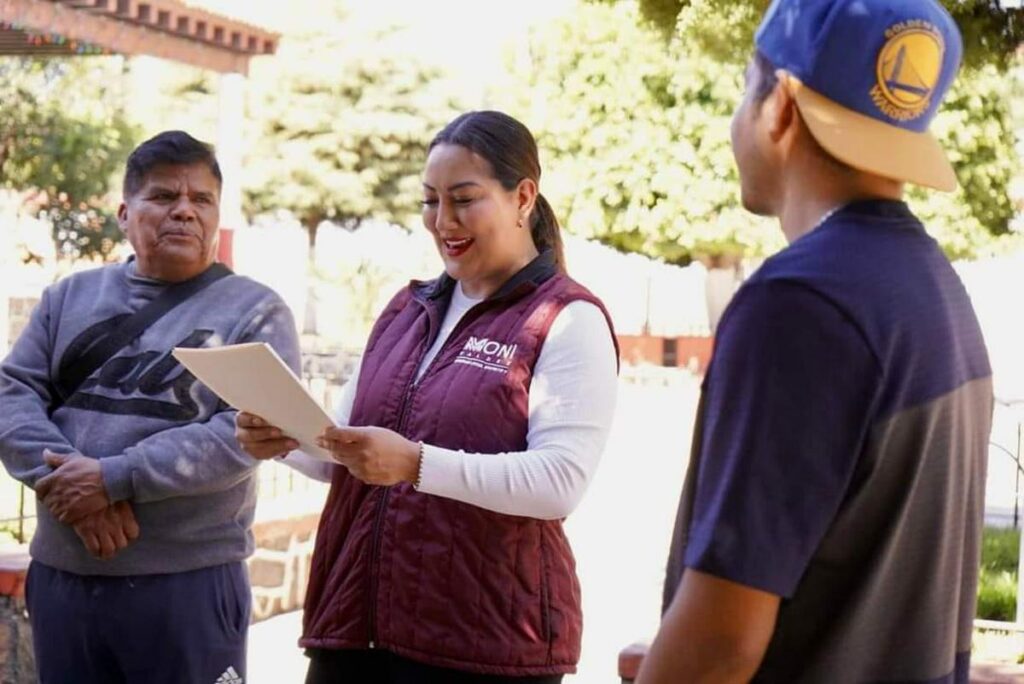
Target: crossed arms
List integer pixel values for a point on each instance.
(95, 496)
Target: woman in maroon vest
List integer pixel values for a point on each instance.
(472, 428)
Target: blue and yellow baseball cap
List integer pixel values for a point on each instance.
(868, 77)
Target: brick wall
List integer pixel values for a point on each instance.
(279, 568)
(692, 352)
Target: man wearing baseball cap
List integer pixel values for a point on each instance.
(830, 525)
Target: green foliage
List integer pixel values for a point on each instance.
(82, 230)
(1000, 549)
(635, 139)
(16, 511)
(663, 14)
(342, 126)
(976, 128)
(637, 149)
(66, 148)
(725, 28)
(997, 596)
(997, 585)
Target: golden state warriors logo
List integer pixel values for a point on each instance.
(909, 67)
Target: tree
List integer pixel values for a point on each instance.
(636, 141)
(725, 28)
(977, 130)
(342, 126)
(64, 150)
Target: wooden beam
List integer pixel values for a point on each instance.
(18, 43)
(172, 16)
(129, 37)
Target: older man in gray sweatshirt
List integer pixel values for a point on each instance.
(145, 499)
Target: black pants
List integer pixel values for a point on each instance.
(144, 629)
(383, 667)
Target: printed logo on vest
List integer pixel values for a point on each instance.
(486, 354)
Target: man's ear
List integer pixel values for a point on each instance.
(780, 109)
(122, 217)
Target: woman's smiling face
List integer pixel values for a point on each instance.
(480, 228)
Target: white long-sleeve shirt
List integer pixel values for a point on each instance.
(571, 404)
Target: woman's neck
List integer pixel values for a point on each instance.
(485, 286)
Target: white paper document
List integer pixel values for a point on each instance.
(253, 378)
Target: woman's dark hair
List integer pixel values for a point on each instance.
(170, 148)
(509, 147)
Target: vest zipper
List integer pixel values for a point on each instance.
(378, 521)
(403, 416)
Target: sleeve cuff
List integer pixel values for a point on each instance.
(439, 469)
(117, 477)
(721, 556)
(310, 466)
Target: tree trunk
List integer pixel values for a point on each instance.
(309, 324)
(312, 226)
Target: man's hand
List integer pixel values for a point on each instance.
(260, 439)
(108, 531)
(74, 489)
(374, 455)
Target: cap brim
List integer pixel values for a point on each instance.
(873, 146)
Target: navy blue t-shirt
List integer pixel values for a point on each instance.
(839, 453)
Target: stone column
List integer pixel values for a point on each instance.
(229, 154)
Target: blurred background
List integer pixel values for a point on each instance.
(322, 110)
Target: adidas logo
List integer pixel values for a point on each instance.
(229, 677)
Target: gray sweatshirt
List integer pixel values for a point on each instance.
(165, 442)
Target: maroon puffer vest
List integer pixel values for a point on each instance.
(432, 579)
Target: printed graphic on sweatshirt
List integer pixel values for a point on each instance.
(151, 384)
(489, 355)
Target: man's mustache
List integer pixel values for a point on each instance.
(181, 229)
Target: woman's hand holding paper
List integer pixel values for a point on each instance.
(374, 455)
